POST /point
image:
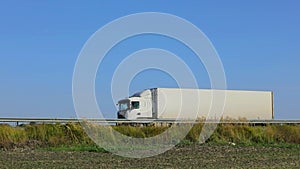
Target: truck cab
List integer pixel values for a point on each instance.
(135, 107)
(129, 108)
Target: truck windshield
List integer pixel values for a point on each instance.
(135, 105)
(123, 106)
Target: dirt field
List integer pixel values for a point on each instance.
(187, 156)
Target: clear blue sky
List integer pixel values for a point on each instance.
(257, 41)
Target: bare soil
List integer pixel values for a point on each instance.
(187, 156)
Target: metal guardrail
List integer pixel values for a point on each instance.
(109, 121)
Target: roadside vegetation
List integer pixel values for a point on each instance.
(71, 136)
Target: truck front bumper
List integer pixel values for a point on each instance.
(121, 115)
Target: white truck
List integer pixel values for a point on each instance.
(191, 104)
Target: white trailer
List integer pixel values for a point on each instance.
(191, 104)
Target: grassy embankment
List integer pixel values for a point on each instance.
(72, 136)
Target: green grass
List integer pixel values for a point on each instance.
(72, 136)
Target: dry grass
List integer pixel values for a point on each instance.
(270, 134)
(10, 134)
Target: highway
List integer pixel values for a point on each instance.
(140, 121)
